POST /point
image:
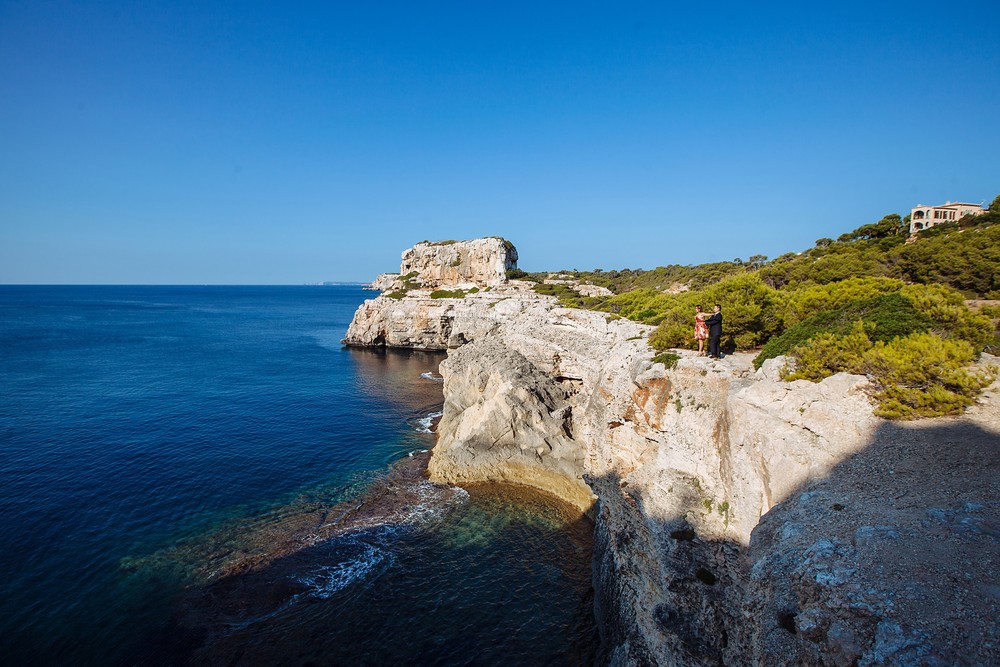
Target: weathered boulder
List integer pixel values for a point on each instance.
(506, 420)
(383, 282)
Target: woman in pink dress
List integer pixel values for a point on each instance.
(700, 330)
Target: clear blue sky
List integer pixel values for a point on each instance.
(195, 142)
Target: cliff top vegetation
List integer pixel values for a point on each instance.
(872, 301)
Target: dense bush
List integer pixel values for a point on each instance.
(868, 302)
(949, 315)
(920, 375)
(924, 376)
(967, 260)
(750, 313)
(518, 274)
(906, 310)
(808, 301)
(993, 312)
(660, 278)
(963, 255)
(883, 317)
(827, 353)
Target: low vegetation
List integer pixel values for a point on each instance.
(452, 294)
(518, 274)
(920, 375)
(868, 302)
(668, 359)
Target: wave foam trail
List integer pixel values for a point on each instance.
(432, 501)
(423, 425)
(433, 377)
(327, 580)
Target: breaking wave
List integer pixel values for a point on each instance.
(424, 424)
(366, 564)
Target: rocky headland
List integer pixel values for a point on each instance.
(740, 519)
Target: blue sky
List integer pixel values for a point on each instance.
(277, 143)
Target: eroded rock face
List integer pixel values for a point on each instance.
(739, 519)
(383, 282)
(507, 420)
(474, 273)
(480, 262)
(420, 322)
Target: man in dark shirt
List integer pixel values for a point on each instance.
(714, 323)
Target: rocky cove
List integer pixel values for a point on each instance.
(739, 519)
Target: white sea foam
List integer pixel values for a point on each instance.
(432, 376)
(417, 451)
(432, 502)
(423, 425)
(327, 580)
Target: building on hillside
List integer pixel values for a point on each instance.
(925, 217)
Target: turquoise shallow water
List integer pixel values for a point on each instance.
(200, 475)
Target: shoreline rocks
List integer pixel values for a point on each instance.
(738, 517)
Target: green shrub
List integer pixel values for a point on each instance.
(409, 281)
(885, 317)
(750, 311)
(668, 359)
(951, 318)
(805, 302)
(924, 375)
(920, 375)
(993, 345)
(447, 294)
(671, 335)
(518, 274)
(566, 295)
(398, 294)
(828, 353)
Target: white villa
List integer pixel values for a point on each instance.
(925, 217)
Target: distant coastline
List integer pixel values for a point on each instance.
(333, 283)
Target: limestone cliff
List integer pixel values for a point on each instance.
(482, 262)
(740, 519)
(507, 420)
(407, 316)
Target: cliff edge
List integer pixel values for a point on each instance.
(739, 519)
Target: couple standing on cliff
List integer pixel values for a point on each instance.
(708, 328)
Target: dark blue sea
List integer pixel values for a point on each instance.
(204, 475)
